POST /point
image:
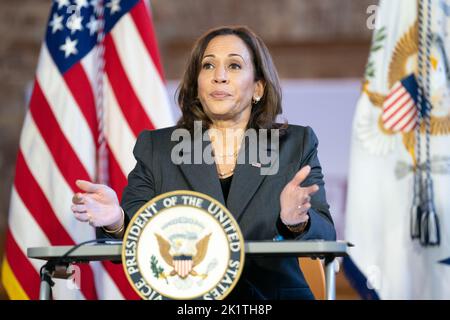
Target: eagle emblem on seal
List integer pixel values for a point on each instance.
(181, 257)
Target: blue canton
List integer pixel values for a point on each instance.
(73, 27)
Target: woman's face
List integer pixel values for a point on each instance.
(226, 82)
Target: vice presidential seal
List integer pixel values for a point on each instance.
(183, 245)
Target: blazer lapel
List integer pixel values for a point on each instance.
(202, 177)
(246, 180)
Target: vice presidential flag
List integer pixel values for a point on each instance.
(98, 83)
(394, 255)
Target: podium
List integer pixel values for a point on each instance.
(58, 259)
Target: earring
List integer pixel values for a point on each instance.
(256, 100)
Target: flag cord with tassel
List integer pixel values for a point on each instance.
(424, 220)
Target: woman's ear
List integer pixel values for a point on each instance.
(259, 89)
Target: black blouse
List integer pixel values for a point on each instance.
(226, 183)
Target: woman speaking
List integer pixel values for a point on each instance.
(230, 87)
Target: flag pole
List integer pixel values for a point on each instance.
(102, 153)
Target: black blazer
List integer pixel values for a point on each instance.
(253, 200)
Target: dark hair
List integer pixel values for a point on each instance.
(264, 112)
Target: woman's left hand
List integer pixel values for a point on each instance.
(295, 201)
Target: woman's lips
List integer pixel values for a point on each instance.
(219, 94)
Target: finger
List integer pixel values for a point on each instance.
(305, 199)
(304, 217)
(311, 189)
(77, 198)
(80, 208)
(88, 186)
(88, 198)
(301, 175)
(304, 208)
(83, 217)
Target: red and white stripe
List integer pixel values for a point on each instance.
(59, 145)
(183, 267)
(399, 110)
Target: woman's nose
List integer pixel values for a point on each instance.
(220, 75)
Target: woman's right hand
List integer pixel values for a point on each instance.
(98, 205)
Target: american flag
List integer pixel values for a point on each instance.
(97, 86)
(399, 108)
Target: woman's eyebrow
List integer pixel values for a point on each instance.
(236, 55)
(208, 56)
(230, 55)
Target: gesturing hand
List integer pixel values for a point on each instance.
(295, 200)
(98, 205)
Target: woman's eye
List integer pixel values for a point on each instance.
(235, 66)
(207, 65)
